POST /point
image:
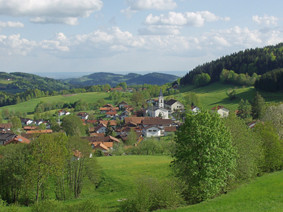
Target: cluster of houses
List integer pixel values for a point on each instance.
(155, 121)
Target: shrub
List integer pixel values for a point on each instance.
(152, 195)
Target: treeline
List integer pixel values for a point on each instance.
(230, 77)
(271, 81)
(52, 166)
(250, 61)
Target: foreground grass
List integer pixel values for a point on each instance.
(121, 173)
(263, 194)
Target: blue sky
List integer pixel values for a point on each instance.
(131, 35)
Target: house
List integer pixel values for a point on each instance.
(101, 128)
(111, 114)
(26, 121)
(116, 89)
(195, 109)
(8, 138)
(153, 131)
(38, 122)
(27, 128)
(39, 132)
(221, 110)
(174, 105)
(168, 130)
(63, 113)
(158, 111)
(158, 122)
(5, 127)
(83, 115)
(122, 105)
(111, 123)
(101, 146)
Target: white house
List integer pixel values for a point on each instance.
(174, 105)
(153, 131)
(222, 111)
(195, 109)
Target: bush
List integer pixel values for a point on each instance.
(47, 206)
(152, 195)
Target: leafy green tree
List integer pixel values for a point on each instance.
(14, 173)
(205, 158)
(272, 145)
(201, 79)
(258, 106)
(73, 126)
(48, 156)
(231, 93)
(244, 109)
(16, 123)
(132, 138)
(274, 115)
(248, 146)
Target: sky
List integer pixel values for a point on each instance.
(55, 36)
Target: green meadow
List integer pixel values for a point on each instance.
(120, 174)
(216, 94)
(28, 106)
(262, 194)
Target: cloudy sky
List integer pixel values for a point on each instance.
(131, 35)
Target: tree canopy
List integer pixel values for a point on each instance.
(204, 159)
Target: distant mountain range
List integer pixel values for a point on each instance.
(18, 82)
(114, 79)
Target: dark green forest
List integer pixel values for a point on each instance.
(257, 61)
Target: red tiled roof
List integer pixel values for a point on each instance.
(111, 122)
(170, 129)
(39, 131)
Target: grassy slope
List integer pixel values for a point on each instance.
(215, 94)
(263, 194)
(29, 106)
(121, 173)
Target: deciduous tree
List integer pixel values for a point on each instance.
(204, 158)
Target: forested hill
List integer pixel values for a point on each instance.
(250, 61)
(18, 82)
(114, 79)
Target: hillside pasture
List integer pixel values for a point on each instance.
(29, 106)
(263, 194)
(216, 94)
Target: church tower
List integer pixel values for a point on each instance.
(160, 100)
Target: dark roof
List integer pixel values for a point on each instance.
(170, 102)
(6, 137)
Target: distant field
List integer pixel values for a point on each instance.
(263, 194)
(29, 106)
(215, 94)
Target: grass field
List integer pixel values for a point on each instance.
(215, 94)
(263, 194)
(122, 172)
(29, 106)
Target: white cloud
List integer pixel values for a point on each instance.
(11, 24)
(152, 4)
(160, 30)
(61, 43)
(53, 11)
(189, 18)
(265, 20)
(15, 45)
(138, 5)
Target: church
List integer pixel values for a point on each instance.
(159, 110)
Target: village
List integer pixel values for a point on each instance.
(159, 120)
